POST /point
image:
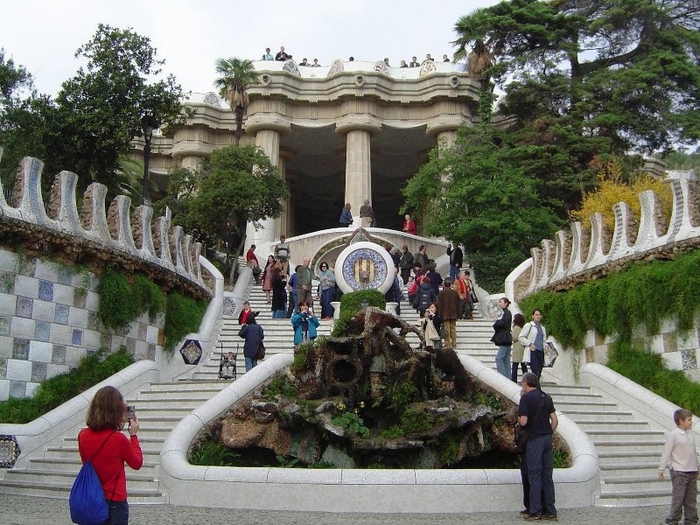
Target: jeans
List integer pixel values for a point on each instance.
(539, 456)
(454, 272)
(327, 296)
(118, 513)
(503, 361)
(537, 362)
(514, 372)
(250, 363)
(684, 494)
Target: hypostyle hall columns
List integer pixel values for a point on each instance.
(267, 137)
(358, 130)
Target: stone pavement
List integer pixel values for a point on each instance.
(22, 510)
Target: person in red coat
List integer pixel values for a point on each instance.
(105, 420)
(408, 225)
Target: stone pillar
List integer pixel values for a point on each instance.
(269, 141)
(191, 162)
(358, 168)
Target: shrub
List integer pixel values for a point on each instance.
(61, 388)
(182, 316)
(210, 452)
(351, 303)
(121, 302)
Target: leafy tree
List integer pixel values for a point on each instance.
(487, 201)
(99, 111)
(22, 115)
(236, 76)
(239, 185)
(587, 79)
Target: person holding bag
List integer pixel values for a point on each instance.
(502, 337)
(103, 443)
(520, 356)
(432, 324)
(533, 337)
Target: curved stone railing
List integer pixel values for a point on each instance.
(98, 236)
(577, 255)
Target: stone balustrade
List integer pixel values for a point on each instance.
(579, 254)
(96, 236)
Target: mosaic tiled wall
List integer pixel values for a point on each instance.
(48, 322)
(680, 350)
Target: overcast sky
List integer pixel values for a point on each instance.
(43, 35)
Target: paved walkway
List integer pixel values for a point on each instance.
(21, 510)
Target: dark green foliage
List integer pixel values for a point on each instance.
(121, 302)
(399, 395)
(61, 388)
(280, 386)
(351, 303)
(352, 422)
(301, 357)
(649, 371)
(490, 204)
(645, 293)
(415, 421)
(182, 316)
(213, 453)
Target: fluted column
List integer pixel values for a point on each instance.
(358, 130)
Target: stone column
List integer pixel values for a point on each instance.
(358, 169)
(267, 129)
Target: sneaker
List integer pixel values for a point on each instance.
(525, 512)
(533, 517)
(550, 517)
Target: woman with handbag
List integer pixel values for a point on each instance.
(533, 336)
(103, 444)
(502, 337)
(253, 334)
(432, 325)
(521, 356)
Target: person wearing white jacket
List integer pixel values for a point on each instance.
(533, 336)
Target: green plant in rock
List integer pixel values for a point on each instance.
(561, 458)
(301, 357)
(447, 446)
(352, 422)
(351, 303)
(492, 401)
(392, 432)
(211, 452)
(63, 387)
(280, 386)
(148, 293)
(321, 464)
(414, 421)
(400, 394)
(286, 462)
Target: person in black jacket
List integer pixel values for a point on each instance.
(503, 338)
(253, 334)
(456, 260)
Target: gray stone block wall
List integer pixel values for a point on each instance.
(49, 322)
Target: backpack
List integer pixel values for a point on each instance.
(87, 502)
(424, 297)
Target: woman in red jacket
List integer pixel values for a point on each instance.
(105, 420)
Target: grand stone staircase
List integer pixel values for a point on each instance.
(628, 447)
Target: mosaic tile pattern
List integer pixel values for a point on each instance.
(61, 314)
(77, 338)
(4, 325)
(38, 372)
(20, 349)
(93, 322)
(18, 388)
(42, 331)
(229, 306)
(3, 368)
(7, 282)
(46, 290)
(689, 359)
(25, 305)
(58, 356)
(64, 275)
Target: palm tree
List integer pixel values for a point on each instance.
(236, 76)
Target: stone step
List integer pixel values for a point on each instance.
(54, 489)
(623, 446)
(641, 499)
(595, 415)
(151, 452)
(135, 480)
(72, 464)
(626, 426)
(629, 437)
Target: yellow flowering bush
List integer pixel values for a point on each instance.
(612, 189)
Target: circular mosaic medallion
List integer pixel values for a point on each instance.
(364, 266)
